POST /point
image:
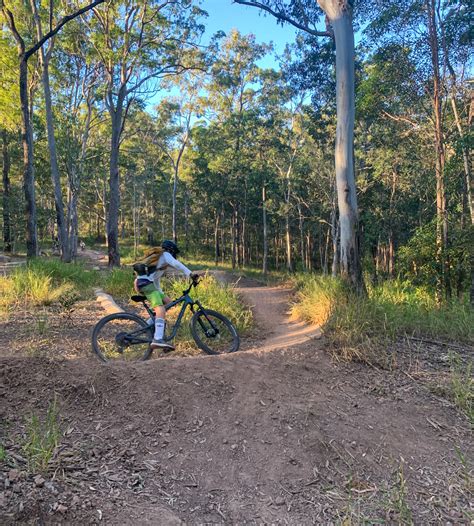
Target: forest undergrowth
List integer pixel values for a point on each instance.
(395, 318)
(52, 283)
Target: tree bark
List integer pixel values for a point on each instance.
(7, 230)
(28, 168)
(216, 239)
(114, 185)
(55, 175)
(265, 231)
(339, 14)
(301, 228)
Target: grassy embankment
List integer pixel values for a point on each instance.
(370, 329)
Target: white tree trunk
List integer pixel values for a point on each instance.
(339, 14)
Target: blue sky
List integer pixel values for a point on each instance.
(225, 15)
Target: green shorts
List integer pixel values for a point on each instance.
(153, 295)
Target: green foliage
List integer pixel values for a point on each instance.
(42, 438)
(417, 258)
(119, 283)
(361, 327)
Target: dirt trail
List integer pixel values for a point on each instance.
(284, 437)
(277, 329)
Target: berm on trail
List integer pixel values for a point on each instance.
(277, 434)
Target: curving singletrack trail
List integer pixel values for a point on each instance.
(286, 437)
(276, 327)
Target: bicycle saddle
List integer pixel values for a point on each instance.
(138, 298)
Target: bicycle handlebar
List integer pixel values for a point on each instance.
(194, 283)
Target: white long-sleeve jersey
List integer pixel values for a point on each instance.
(162, 267)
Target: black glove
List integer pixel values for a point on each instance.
(194, 277)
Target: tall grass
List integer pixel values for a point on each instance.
(119, 283)
(357, 326)
(42, 438)
(45, 281)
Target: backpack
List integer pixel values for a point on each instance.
(147, 265)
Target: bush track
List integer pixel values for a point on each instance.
(277, 434)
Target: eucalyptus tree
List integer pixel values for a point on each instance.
(305, 15)
(138, 42)
(17, 18)
(173, 128)
(231, 97)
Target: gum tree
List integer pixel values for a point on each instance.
(14, 16)
(304, 15)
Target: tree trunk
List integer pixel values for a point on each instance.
(28, 168)
(174, 199)
(339, 14)
(114, 186)
(55, 176)
(234, 237)
(44, 57)
(216, 239)
(301, 228)
(442, 284)
(7, 230)
(265, 231)
(326, 253)
(186, 219)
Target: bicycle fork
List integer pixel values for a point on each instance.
(210, 333)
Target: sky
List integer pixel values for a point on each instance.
(225, 15)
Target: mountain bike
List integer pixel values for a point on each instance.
(126, 336)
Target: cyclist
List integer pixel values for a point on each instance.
(147, 282)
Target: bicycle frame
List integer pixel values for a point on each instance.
(186, 300)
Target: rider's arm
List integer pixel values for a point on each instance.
(172, 262)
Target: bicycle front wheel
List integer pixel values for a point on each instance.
(214, 333)
(122, 337)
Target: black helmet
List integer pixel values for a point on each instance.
(170, 247)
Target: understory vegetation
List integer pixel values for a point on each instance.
(50, 282)
(395, 313)
(393, 309)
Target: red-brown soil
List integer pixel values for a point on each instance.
(277, 434)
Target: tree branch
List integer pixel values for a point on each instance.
(284, 18)
(59, 25)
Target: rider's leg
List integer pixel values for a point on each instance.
(155, 297)
(160, 321)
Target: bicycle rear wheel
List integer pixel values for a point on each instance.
(214, 333)
(122, 337)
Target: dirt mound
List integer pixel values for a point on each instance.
(278, 434)
(283, 437)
